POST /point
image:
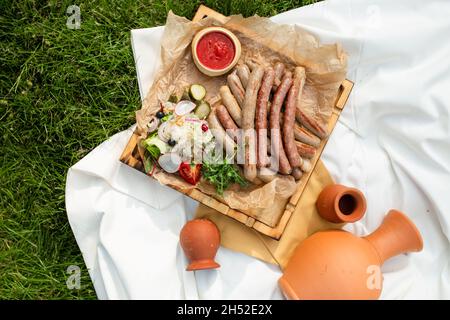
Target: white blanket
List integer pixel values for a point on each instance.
(392, 142)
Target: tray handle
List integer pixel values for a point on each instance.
(344, 92)
(203, 12)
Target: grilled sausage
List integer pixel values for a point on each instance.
(303, 135)
(308, 122)
(220, 134)
(243, 73)
(305, 150)
(248, 122)
(278, 151)
(231, 104)
(236, 87)
(297, 173)
(289, 117)
(279, 70)
(311, 124)
(261, 117)
(226, 121)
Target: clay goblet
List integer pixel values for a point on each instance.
(200, 240)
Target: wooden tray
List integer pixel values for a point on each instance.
(130, 156)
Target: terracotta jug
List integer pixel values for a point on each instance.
(338, 203)
(200, 240)
(335, 264)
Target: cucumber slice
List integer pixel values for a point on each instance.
(173, 98)
(197, 92)
(203, 109)
(156, 141)
(185, 95)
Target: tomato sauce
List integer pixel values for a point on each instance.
(215, 50)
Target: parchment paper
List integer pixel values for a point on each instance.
(262, 41)
(305, 221)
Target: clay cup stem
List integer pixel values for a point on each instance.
(397, 234)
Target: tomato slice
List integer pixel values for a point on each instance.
(191, 173)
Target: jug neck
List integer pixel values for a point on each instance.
(397, 234)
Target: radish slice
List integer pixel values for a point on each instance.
(152, 124)
(164, 132)
(192, 119)
(184, 107)
(170, 162)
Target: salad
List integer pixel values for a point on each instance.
(179, 140)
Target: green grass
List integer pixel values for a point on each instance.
(62, 92)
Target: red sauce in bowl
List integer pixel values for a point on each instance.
(215, 50)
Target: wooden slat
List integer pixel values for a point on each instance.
(129, 149)
(131, 157)
(275, 232)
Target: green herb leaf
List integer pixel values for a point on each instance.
(222, 175)
(166, 117)
(148, 164)
(153, 151)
